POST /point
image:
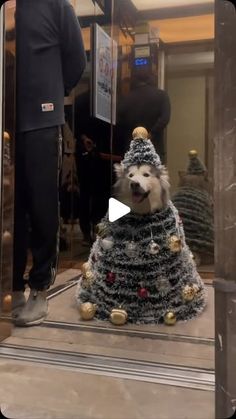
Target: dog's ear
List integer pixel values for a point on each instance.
(165, 185)
(119, 170)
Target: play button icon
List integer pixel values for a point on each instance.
(117, 210)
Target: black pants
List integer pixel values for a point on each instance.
(37, 156)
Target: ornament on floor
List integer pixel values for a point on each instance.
(7, 302)
(143, 292)
(188, 293)
(101, 230)
(7, 237)
(175, 244)
(170, 318)
(87, 311)
(6, 136)
(107, 243)
(131, 249)
(153, 248)
(110, 278)
(118, 316)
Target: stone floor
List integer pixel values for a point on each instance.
(67, 368)
(37, 392)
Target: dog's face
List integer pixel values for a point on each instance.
(143, 188)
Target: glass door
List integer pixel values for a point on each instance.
(86, 168)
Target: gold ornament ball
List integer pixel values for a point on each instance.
(7, 237)
(170, 318)
(193, 153)
(118, 317)
(85, 268)
(87, 311)
(7, 301)
(88, 275)
(88, 278)
(140, 133)
(188, 293)
(6, 136)
(175, 244)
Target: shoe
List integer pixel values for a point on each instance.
(35, 310)
(18, 302)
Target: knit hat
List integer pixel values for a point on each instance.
(141, 150)
(195, 166)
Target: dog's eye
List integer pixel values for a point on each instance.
(146, 174)
(131, 175)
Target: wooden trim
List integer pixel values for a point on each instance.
(188, 46)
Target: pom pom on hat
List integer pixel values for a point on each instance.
(140, 133)
(141, 151)
(196, 166)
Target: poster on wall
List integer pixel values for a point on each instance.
(104, 76)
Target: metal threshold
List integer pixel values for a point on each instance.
(123, 368)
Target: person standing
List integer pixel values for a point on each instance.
(145, 105)
(50, 60)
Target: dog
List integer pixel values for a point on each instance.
(145, 189)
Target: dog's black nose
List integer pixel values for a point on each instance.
(135, 186)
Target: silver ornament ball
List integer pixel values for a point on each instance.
(153, 248)
(131, 249)
(107, 243)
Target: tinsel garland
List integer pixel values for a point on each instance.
(196, 211)
(164, 275)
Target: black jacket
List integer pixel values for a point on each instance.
(50, 59)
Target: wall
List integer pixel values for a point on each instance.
(186, 130)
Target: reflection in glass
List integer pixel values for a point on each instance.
(7, 48)
(86, 171)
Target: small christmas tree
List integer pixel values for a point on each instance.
(140, 269)
(195, 207)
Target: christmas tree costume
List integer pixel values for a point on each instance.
(140, 269)
(195, 206)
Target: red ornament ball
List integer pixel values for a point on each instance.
(111, 277)
(94, 259)
(143, 293)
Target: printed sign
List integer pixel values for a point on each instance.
(105, 76)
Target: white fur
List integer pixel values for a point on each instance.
(151, 180)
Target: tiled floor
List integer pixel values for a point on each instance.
(32, 388)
